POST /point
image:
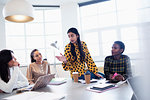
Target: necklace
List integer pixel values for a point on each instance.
(41, 68)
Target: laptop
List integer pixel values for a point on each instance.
(42, 81)
(136, 86)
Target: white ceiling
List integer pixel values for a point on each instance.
(49, 2)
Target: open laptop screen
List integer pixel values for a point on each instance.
(137, 87)
(42, 81)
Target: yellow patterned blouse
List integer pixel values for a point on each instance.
(78, 66)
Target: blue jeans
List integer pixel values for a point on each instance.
(93, 76)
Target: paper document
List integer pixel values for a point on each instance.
(91, 81)
(120, 83)
(58, 81)
(35, 96)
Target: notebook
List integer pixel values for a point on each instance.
(42, 81)
(101, 87)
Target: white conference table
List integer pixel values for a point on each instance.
(77, 91)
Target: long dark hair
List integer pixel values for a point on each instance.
(5, 57)
(32, 55)
(82, 54)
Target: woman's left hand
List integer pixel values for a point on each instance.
(98, 75)
(119, 77)
(16, 63)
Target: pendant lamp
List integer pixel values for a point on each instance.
(19, 11)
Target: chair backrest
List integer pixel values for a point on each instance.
(101, 69)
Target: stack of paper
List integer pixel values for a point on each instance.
(91, 81)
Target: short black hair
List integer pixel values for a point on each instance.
(121, 44)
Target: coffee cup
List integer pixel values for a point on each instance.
(87, 77)
(75, 76)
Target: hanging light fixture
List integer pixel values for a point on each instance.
(19, 11)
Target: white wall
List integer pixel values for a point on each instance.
(2, 30)
(70, 18)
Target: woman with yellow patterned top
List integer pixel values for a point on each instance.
(76, 55)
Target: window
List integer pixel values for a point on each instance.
(38, 34)
(88, 38)
(111, 21)
(108, 37)
(130, 37)
(127, 17)
(105, 20)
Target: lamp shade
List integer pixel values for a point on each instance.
(19, 11)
